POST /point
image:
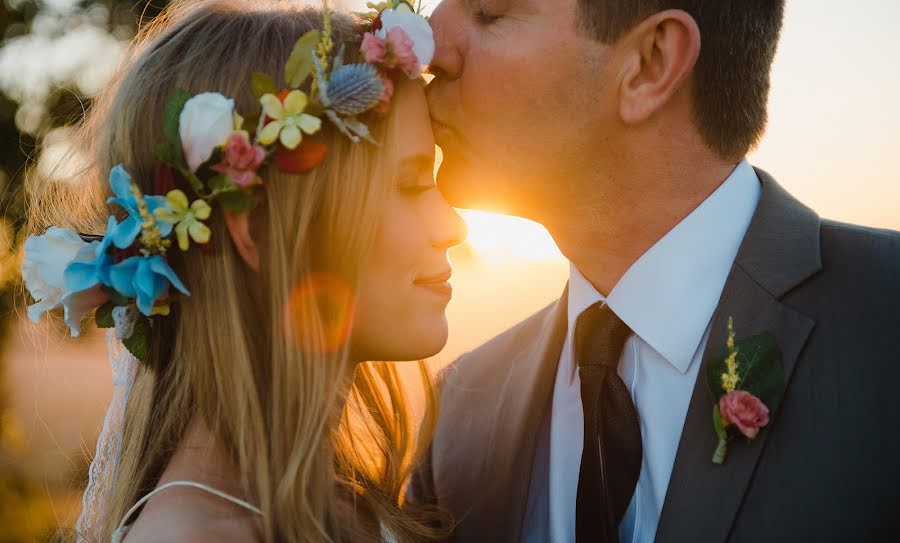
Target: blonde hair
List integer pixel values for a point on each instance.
(323, 464)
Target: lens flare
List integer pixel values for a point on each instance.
(319, 312)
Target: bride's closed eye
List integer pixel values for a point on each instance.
(416, 175)
(415, 190)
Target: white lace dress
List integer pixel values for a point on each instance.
(122, 529)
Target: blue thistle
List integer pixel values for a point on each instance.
(354, 89)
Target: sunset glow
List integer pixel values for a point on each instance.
(501, 237)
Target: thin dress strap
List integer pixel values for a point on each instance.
(120, 531)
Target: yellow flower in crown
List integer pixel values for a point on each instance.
(186, 218)
(288, 121)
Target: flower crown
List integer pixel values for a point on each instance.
(125, 273)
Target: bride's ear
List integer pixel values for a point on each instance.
(239, 228)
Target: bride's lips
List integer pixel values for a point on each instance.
(438, 284)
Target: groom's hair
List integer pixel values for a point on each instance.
(731, 78)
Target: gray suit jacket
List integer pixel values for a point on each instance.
(827, 468)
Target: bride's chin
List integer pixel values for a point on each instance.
(423, 338)
(428, 341)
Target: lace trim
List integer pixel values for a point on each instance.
(105, 464)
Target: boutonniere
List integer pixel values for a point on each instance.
(746, 381)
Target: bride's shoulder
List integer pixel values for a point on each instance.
(190, 515)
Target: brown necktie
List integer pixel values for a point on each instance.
(612, 453)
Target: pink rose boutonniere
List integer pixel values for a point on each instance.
(745, 411)
(746, 381)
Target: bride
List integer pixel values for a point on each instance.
(274, 226)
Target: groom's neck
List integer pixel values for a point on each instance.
(607, 228)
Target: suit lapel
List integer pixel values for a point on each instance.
(499, 496)
(779, 251)
(521, 415)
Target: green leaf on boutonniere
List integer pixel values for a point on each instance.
(139, 342)
(722, 433)
(300, 64)
(751, 366)
(759, 369)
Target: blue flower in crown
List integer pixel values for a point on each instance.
(85, 272)
(146, 278)
(127, 231)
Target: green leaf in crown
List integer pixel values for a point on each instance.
(139, 342)
(299, 65)
(173, 113)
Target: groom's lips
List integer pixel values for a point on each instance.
(441, 130)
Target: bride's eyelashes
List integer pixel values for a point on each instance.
(413, 189)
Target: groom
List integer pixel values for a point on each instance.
(622, 127)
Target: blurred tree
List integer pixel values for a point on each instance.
(54, 56)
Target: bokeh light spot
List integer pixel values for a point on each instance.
(319, 312)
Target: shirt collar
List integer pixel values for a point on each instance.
(669, 295)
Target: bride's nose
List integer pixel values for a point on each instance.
(449, 227)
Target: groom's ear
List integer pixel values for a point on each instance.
(660, 54)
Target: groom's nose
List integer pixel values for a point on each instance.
(448, 22)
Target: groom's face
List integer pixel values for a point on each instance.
(520, 98)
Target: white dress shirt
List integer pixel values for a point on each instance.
(667, 298)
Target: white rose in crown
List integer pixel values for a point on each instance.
(415, 26)
(43, 270)
(205, 123)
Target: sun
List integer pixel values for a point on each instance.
(500, 237)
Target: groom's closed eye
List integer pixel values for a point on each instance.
(483, 17)
(484, 12)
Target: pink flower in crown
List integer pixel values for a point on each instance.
(745, 411)
(401, 52)
(384, 105)
(419, 38)
(373, 48)
(395, 50)
(241, 160)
